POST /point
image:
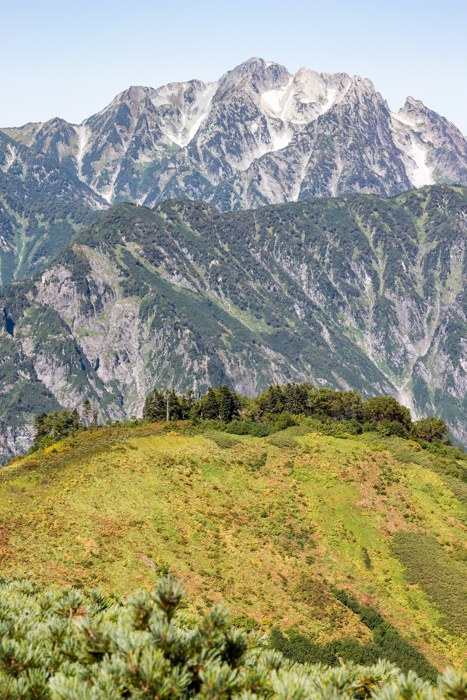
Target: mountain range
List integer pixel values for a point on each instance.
(262, 229)
(259, 135)
(359, 292)
(310, 254)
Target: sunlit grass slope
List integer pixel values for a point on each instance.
(271, 526)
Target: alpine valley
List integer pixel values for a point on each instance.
(42, 206)
(358, 291)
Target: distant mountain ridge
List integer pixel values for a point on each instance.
(259, 135)
(42, 206)
(357, 292)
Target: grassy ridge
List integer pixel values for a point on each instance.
(268, 525)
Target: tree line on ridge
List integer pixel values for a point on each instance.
(275, 408)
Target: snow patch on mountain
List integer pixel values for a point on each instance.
(280, 140)
(279, 99)
(330, 99)
(10, 156)
(414, 151)
(257, 109)
(279, 104)
(421, 175)
(402, 119)
(84, 133)
(182, 128)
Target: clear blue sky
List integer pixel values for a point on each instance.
(69, 58)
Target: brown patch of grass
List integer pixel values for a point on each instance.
(5, 550)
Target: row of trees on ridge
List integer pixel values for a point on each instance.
(293, 399)
(276, 405)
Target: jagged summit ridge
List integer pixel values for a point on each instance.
(258, 135)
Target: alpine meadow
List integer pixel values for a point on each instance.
(233, 371)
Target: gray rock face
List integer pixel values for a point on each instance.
(257, 136)
(355, 292)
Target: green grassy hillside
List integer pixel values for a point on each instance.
(300, 532)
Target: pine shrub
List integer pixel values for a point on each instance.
(75, 645)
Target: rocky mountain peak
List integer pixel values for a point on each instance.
(255, 74)
(135, 94)
(412, 110)
(362, 89)
(259, 135)
(440, 138)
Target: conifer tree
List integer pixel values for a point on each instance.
(186, 403)
(86, 411)
(211, 405)
(226, 403)
(386, 408)
(40, 428)
(173, 411)
(144, 647)
(432, 430)
(155, 407)
(147, 409)
(54, 425)
(273, 400)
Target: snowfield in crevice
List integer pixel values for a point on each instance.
(414, 150)
(183, 129)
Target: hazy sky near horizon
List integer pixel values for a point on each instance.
(69, 58)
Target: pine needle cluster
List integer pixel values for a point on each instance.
(74, 645)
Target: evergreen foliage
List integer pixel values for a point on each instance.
(50, 427)
(275, 407)
(331, 412)
(74, 645)
(227, 405)
(432, 430)
(385, 409)
(210, 406)
(87, 410)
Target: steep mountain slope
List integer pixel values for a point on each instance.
(42, 207)
(272, 527)
(358, 292)
(257, 136)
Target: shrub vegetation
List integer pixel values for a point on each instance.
(74, 645)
